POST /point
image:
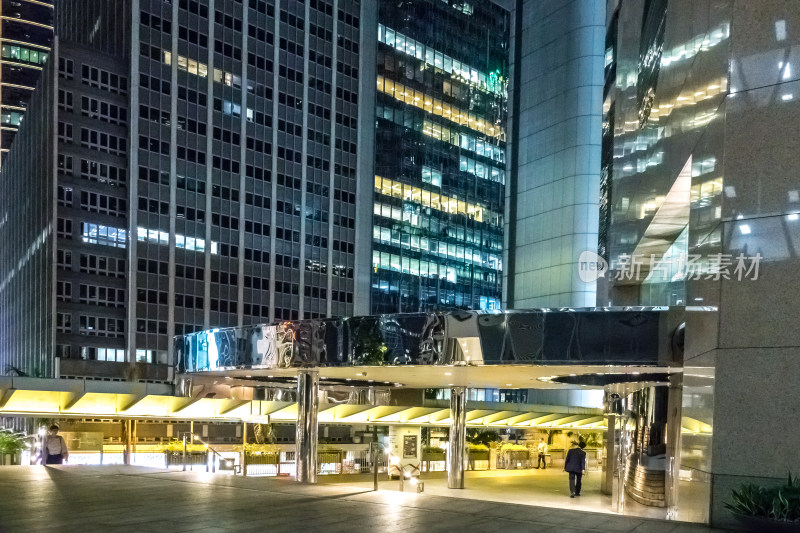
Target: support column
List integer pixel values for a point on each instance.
(244, 448)
(673, 438)
(458, 438)
(613, 408)
(126, 428)
(307, 428)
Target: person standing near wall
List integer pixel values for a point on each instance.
(55, 448)
(575, 465)
(542, 455)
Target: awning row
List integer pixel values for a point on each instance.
(115, 405)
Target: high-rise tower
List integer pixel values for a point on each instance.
(26, 34)
(440, 155)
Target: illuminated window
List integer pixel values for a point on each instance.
(432, 176)
(105, 235)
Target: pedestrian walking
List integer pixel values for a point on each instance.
(575, 465)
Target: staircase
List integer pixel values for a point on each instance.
(645, 485)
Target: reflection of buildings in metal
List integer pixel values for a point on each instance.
(540, 336)
(645, 459)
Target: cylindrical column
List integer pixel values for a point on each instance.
(458, 438)
(613, 408)
(126, 426)
(306, 438)
(673, 455)
(244, 448)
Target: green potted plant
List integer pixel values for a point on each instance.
(11, 447)
(774, 509)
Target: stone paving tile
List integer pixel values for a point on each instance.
(136, 499)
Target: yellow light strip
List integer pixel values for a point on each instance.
(27, 65)
(4, 84)
(37, 2)
(32, 23)
(5, 40)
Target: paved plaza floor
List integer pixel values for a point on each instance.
(114, 498)
(543, 488)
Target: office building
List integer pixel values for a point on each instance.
(206, 177)
(440, 155)
(26, 34)
(556, 91)
(700, 210)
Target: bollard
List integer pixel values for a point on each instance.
(184, 452)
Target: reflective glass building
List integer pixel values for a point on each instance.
(700, 208)
(440, 155)
(26, 34)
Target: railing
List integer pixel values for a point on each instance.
(364, 464)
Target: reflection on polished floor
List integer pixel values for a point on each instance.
(118, 498)
(544, 488)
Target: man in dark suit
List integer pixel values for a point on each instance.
(575, 464)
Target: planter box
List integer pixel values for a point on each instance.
(192, 458)
(480, 455)
(513, 459)
(10, 458)
(427, 456)
(263, 458)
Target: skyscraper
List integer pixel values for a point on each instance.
(206, 177)
(701, 211)
(555, 156)
(440, 155)
(26, 34)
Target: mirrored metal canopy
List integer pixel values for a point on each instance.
(628, 336)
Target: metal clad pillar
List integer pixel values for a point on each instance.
(613, 408)
(673, 455)
(307, 428)
(458, 438)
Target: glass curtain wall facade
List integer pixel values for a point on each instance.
(26, 34)
(27, 241)
(441, 109)
(661, 202)
(702, 211)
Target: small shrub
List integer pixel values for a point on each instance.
(432, 449)
(11, 444)
(777, 503)
(257, 449)
(176, 446)
(510, 447)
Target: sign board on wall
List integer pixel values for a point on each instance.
(409, 446)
